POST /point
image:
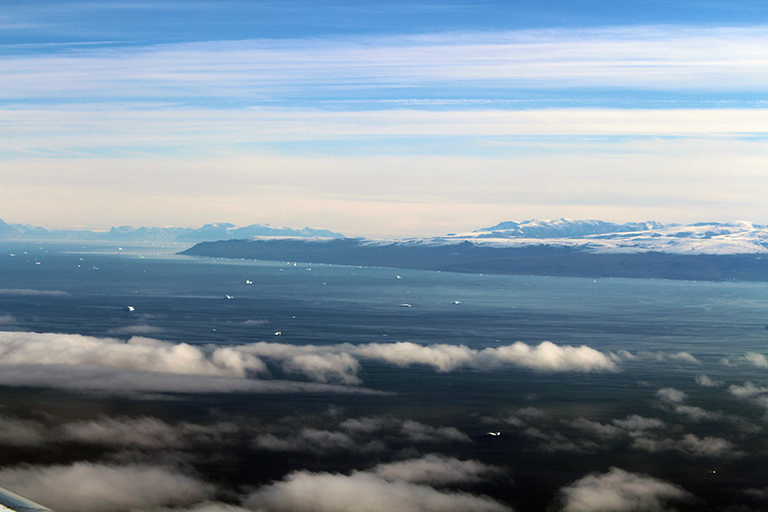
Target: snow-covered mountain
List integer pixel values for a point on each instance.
(606, 237)
(561, 228)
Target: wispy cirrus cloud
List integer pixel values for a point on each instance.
(641, 58)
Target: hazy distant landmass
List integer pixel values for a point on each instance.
(214, 231)
(702, 251)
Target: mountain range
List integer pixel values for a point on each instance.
(600, 236)
(702, 251)
(214, 231)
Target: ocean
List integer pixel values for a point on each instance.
(293, 386)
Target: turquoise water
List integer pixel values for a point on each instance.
(556, 426)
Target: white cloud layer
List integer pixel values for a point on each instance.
(73, 361)
(304, 491)
(621, 491)
(146, 364)
(138, 354)
(86, 487)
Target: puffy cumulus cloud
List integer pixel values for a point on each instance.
(543, 428)
(671, 395)
(145, 432)
(85, 487)
(308, 359)
(558, 442)
(339, 368)
(697, 414)
(620, 491)
(750, 358)
(546, 356)
(423, 433)
(708, 382)
(141, 329)
(661, 357)
(708, 447)
(748, 390)
(321, 363)
(550, 357)
(653, 435)
(19, 432)
(758, 395)
(362, 492)
(442, 357)
(684, 357)
(674, 398)
(691, 445)
(312, 440)
(357, 435)
(630, 427)
(637, 423)
(437, 470)
(756, 359)
(409, 430)
(598, 429)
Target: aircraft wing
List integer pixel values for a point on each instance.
(14, 502)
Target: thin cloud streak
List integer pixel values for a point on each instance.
(72, 129)
(649, 58)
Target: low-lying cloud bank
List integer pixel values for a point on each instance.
(146, 364)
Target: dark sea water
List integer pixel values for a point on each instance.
(675, 407)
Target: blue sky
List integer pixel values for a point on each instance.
(381, 118)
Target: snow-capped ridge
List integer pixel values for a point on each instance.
(561, 228)
(737, 237)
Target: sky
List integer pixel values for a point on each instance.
(381, 119)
